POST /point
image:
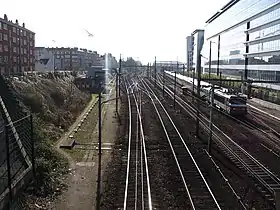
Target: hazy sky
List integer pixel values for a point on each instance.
(137, 28)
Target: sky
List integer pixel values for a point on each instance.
(141, 29)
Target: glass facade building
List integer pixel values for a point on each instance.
(197, 43)
(245, 40)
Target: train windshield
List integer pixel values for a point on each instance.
(237, 100)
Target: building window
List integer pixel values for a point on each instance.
(5, 59)
(18, 31)
(1, 36)
(24, 42)
(5, 26)
(5, 37)
(6, 48)
(1, 48)
(25, 60)
(31, 44)
(24, 50)
(14, 49)
(14, 39)
(15, 59)
(24, 33)
(14, 29)
(30, 52)
(1, 59)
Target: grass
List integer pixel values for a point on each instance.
(86, 133)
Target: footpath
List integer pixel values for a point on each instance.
(81, 193)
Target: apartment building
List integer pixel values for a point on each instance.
(68, 59)
(17, 43)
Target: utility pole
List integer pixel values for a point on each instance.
(220, 79)
(148, 73)
(198, 92)
(98, 197)
(149, 70)
(218, 62)
(155, 71)
(210, 120)
(163, 88)
(210, 59)
(119, 81)
(175, 81)
(193, 85)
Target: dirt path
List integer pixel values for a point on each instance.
(81, 193)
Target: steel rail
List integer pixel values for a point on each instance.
(128, 151)
(186, 147)
(260, 173)
(145, 155)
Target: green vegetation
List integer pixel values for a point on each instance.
(55, 104)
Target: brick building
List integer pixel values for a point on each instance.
(17, 46)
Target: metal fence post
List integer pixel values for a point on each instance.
(8, 162)
(33, 146)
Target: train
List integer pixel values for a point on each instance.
(224, 99)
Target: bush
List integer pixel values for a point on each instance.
(46, 98)
(34, 102)
(50, 165)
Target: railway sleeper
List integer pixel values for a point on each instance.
(268, 196)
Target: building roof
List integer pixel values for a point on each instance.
(9, 22)
(221, 11)
(196, 31)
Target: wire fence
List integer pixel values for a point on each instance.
(16, 159)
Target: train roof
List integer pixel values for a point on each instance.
(207, 86)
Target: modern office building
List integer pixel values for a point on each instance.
(245, 40)
(197, 44)
(189, 58)
(16, 48)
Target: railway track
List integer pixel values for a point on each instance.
(137, 188)
(255, 122)
(196, 188)
(267, 182)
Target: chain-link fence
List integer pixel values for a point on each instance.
(16, 159)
